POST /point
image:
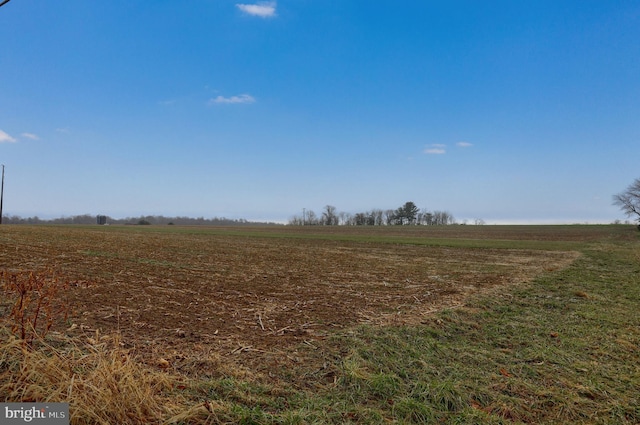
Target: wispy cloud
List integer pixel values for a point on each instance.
(243, 98)
(435, 149)
(5, 138)
(464, 144)
(264, 9)
(30, 136)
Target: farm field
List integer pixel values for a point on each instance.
(276, 324)
(260, 289)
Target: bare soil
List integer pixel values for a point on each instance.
(174, 291)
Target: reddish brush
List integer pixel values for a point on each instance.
(37, 302)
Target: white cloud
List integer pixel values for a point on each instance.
(264, 9)
(243, 98)
(30, 136)
(435, 149)
(464, 144)
(5, 138)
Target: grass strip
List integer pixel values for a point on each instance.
(563, 349)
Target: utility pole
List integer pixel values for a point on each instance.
(304, 212)
(1, 193)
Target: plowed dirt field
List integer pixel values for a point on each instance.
(258, 290)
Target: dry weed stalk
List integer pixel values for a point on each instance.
(37, 302)
(102, 382)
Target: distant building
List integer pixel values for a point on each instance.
(102, 219)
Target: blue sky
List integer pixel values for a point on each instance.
(509, 111)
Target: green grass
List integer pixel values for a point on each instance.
(562, 349)
(549, 237)
(565, 349)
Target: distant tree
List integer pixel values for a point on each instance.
(629, 200)
(344, 218)
(407, 213)
(427, 218)
(360, 219)
(423, 217)
(389, 217)
(329, 216)
(14, 219)
(295, 221)
(156, 220)
(377, 216)
(371, 218)
(83, 219)
(450, 218)
(442, 218)
(398, 216)
(311, 218)
(411, 212)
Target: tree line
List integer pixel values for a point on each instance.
(407, 214)
(142, 220)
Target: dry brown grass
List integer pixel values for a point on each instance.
(102, 382)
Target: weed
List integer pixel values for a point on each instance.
(37, 302)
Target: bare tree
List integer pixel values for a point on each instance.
(312, 218)
(296, 221)
(360, 219)
(427, 218)
(389, 216)
(371, 218)
(343, 218)
(329, 216)
(408, 213)
(442, 218)
(629, 200)
(377, 215)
